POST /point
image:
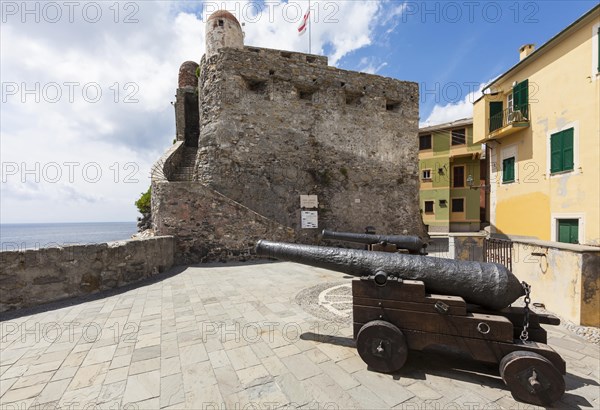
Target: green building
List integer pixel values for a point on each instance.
(452, 173)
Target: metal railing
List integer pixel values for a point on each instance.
(498, 251)
(509, 116)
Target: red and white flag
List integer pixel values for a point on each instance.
(304, 23)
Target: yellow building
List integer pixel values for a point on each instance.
(541, 123)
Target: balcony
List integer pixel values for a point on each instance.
(508, 121)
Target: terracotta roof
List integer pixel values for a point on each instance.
(224, 14)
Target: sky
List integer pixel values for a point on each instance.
(87, 87)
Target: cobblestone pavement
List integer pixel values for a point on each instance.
(236, 337)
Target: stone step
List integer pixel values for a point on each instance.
(187, 165)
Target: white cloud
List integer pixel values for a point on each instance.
(134, 64)
(392, 15)
(343, 26)
(369, 65)
(454, 110)
(450, 112)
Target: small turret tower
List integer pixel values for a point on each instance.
(223, 30)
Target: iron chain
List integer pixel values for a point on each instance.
(524, 333)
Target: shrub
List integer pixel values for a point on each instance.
(143, 204)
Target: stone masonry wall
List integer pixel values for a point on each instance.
(276, 125)
(33, 277)
(207, 225)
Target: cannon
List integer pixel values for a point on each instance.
(487, 284)
(413, 244)
(411, 302)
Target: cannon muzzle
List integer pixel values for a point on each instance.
(487, 284)
(411, 243)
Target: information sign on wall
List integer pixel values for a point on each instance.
(310, 219)
(309, 201)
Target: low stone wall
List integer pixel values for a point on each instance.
(564, 277)
(466, 246)
(37, 276)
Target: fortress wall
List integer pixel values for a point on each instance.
(276, 125)
(208, 226)
(37, 276)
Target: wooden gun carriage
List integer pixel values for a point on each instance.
(411, 302)
(400, 316)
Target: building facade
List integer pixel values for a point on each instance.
(273, 144)
(452, 180)
(541, 123)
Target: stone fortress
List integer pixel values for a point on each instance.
(259, 128)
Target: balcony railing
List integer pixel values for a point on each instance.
(509, 116)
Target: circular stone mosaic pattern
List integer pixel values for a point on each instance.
(330, 301)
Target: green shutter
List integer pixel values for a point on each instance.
(575, 232)
(564, 232)
(567, 149)
(495, 115)
(561, 151)
(556, 152)
(508, 169)
(521, 97)
(568, 230)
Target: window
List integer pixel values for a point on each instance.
(510, 103)
(458, 205)
(561, 151)
(221, 23)
(459, 177)
(305, 94)
(392, 105)
(521, 98)
(353, 99)
(458, 136)
(428, 207)
(568, 230)
(426, 174)
(424, 142)
(508, 170)
(257, 86)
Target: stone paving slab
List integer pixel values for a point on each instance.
(235, 337)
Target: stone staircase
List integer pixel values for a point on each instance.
(185, 170)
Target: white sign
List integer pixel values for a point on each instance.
(310, 219)
(309, 201)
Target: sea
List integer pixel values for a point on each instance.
(16, 237)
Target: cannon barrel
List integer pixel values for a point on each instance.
(411, 243)
(487, 284)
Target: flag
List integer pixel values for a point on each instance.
(303, 23)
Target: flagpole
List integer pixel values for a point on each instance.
(309, 33)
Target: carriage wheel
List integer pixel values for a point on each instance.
(532, 378)
(382, 346)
